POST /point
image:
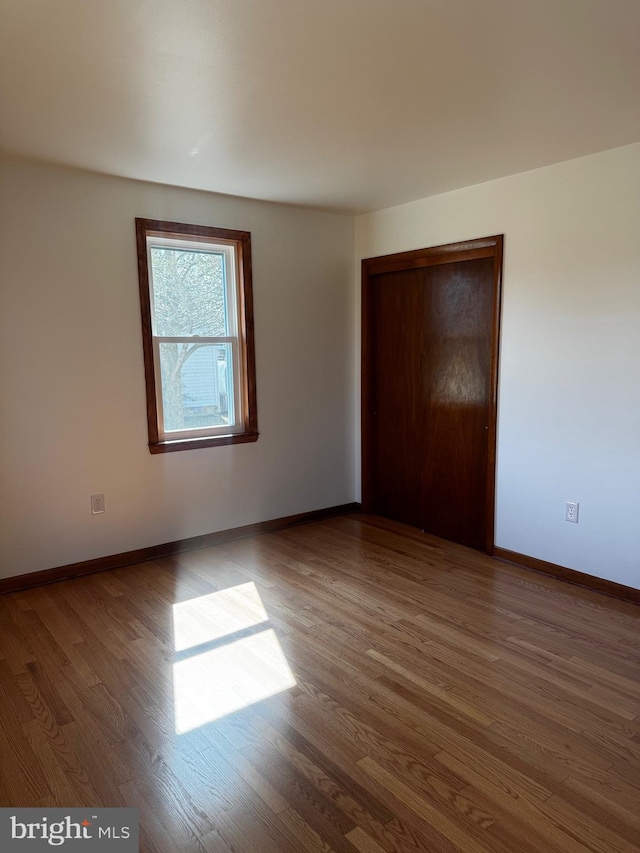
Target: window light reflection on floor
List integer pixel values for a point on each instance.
(209, 617)
(225, 673)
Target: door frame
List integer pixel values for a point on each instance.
(468, 250)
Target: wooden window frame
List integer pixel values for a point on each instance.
(241, 243)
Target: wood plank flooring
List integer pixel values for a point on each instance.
(347, 685)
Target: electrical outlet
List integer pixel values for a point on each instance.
(571, 511)
(97, 504)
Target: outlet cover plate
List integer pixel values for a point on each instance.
(571, 511)
(97, 504)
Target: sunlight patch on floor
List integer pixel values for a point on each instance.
(235, 672)
(209, 617)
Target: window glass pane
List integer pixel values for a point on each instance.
(188, 292)
(197, 385)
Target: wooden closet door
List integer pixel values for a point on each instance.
(430, 346)
(398, 332)
(456, 386)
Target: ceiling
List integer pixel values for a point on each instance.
(349, 105)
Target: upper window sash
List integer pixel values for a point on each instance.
(231, 277)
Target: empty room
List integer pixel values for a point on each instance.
(320, 426)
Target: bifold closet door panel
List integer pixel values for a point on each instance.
(456, 388)
(398, 432)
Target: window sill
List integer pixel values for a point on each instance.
(198, 443)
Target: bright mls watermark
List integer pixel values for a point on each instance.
(103, 830)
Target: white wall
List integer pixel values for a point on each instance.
(72, 394)
(569, 407)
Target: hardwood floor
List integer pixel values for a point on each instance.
(347, 685)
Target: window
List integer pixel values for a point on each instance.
(197, 328)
